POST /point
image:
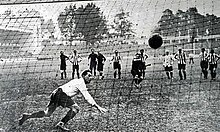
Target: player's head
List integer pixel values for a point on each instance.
(61, 52)
(142, 51)
(98, 51)
(180, 49)
(87, 76)
(116, 52)
(74, 51)
(92, 50)
(137, 57)
(203, 49)
(212, 51)
(167, 52)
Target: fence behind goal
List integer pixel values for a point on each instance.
(32, 34)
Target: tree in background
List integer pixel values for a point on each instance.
(66, 22)
(47, 27)
(86, 22)
(187, 23)
(121, 25)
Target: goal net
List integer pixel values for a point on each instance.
(33, 34)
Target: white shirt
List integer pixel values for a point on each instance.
(168, 60)
(191, 55)
(73, 87)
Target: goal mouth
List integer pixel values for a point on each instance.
(160, 92)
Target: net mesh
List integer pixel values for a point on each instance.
(32, 34)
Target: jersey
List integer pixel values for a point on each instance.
(116, 58)
(93, 58)
(203, 56)
(181, 57)
(74, 87)
(101, 58)
(75, 59)
(213, 58)
(168, 61)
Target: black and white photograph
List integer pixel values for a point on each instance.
(109, 66)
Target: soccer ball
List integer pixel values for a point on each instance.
(155, 41)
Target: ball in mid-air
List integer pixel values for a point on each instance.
(155, 41)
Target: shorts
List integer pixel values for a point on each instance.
(116, 65)
(100, 67)
(61, 99)
(142, 66)
(181, 66)
(204, 64)
(76, 67)
(168, 68)
(212, 66)
(63, 67)
(93, 65)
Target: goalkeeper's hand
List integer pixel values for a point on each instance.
(102, 110)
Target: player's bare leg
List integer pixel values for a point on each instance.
(46, 113)
(70, 114)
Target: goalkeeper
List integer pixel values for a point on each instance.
(63, 96)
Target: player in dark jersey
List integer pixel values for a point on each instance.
(204, 62)
(63, 59)
(136, 69)
(101, 59)
(93, 61)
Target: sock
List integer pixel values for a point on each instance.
(70, 114)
